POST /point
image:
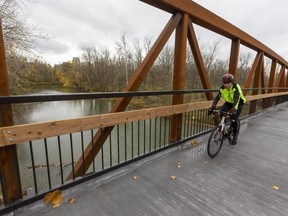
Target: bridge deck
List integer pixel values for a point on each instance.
(239, 181)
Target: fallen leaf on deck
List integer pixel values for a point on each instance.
(135, 177)
(173, 177)
(194, 143)
(71, 200)
(57, 199)
(49, 197)
(57, 205)
(275, 187)
(178, 165)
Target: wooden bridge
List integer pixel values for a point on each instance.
(158, 128)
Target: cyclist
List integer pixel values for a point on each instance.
(234, 101)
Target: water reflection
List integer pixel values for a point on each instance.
(56, 110)
(48, 111)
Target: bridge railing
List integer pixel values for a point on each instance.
(47, 150)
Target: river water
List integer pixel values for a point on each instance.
(121, 144)
(48, 111)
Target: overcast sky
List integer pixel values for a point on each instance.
(70, 25)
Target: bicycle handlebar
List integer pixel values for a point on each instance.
(222, 112)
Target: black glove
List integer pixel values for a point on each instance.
(233, 112)
(210, 110)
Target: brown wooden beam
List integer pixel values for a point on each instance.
(234, 54)
(211, 21)
(252, 72)
(9, 169)
(286, 81)
(256, 82)
(179, 74)
(264, 102)
(120, 105)
(269, 101)
(199, 60)
(279, 81)
(272, 75)
(262, 76)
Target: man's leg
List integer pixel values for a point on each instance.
(235, 124)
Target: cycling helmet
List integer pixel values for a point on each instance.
(228, 78)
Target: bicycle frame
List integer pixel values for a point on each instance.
(219, 133)
(223, 123)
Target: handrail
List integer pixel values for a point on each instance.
(28, 132)
(102, 95)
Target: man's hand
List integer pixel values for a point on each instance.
(210, 110)
(233, 112)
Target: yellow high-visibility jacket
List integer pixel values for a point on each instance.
(232, 95)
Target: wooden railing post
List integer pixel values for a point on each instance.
(9, 169)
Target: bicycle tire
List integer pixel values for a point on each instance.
(238, 129)
(215, 142)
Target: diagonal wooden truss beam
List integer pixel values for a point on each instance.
(272, 75)
(280, 79)
(199, 60)
(100, 137)
(256, 82)
(252, 72)
(205, 18)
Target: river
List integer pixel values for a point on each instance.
(46, 111)
(121, 144)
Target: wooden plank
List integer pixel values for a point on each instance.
(34, 131)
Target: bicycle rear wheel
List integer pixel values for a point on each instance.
(215, 142)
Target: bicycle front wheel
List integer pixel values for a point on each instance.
(215, 142)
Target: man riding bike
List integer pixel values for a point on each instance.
(233, 95)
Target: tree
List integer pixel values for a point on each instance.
(124, 56)
(18, 34)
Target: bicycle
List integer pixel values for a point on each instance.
(222, 131)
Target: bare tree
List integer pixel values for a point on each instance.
(18, 34)
(243, 67)
(124, 56)
(138, 52)
(18, 37)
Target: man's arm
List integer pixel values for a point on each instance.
(216, 99)
(236, 97)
